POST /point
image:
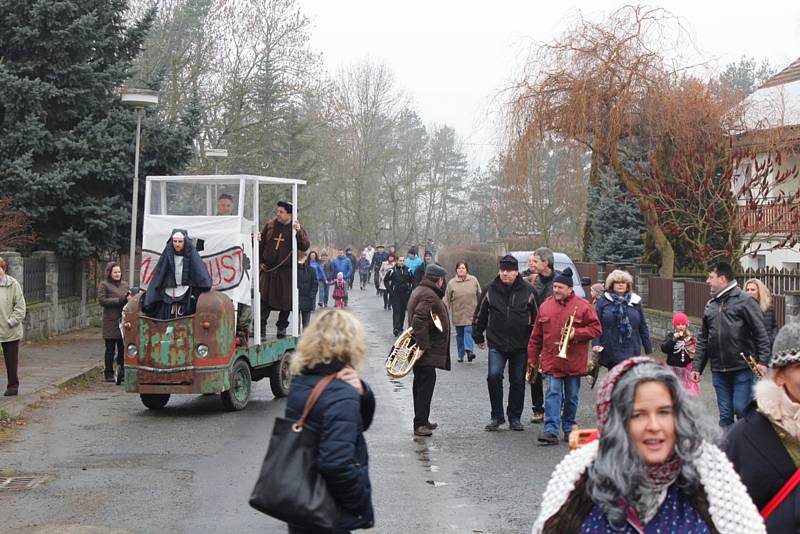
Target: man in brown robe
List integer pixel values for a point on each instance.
(275, 256)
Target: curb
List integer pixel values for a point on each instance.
(14, 406)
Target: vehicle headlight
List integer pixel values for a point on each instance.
(201, 351)
(133, 350)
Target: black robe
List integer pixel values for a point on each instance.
(157, 303)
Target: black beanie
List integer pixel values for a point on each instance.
(509, 263)
(564, 277)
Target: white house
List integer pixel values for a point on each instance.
(770, 121)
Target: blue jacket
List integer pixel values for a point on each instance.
(340, 416)
(413, 264)
(320, 272)
(614, 351)
(342, 265)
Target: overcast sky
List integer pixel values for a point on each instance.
(452, 58)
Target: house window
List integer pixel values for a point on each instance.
(762, 261)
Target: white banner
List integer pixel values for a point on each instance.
(223, 243)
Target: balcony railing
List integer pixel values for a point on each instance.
(770, 219)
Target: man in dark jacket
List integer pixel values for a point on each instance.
(764, 445)
(543, 262)
(377, 260)
(504, 315)
(353, 267)
(732, 325)
(419, 274)
(427, 315)
(399, 282)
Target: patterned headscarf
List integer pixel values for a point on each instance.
(603, 406)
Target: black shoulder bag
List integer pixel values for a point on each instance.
(290, 486)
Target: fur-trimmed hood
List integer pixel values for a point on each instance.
(730, 507)
(635, 299)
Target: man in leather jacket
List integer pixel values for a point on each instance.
(732, 325)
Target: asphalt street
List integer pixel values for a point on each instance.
(113, 466)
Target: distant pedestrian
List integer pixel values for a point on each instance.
(307, 287)
(764, 444)
(759, 291)
(375, 265)
(428, 317)
(112, 294)
(385, 267)
(562, 371)
(342, 264)
(363, 266)
(503, 318)
(340, 290)
(732, 325)
(461, 298)
(353, 266)
(399, 282)
(529, 274)
(654, 468)
(625, 331)
(680, 346)
(412, 260)
(322, 280)
(12, 315)
(327, 269)
(335, 343)
(595, 292)
(542, 261)
(593, 371)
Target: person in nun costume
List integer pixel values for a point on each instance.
(179, 278)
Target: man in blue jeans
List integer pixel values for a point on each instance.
(732, 325)
(503, 314)
(562, 370)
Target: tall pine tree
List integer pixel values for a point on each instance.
(66, 142)
(617, 224)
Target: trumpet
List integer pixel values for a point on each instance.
(531, 373)
(566, 332)
(753, 365)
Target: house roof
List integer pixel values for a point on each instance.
(789, 74)
(776, 104)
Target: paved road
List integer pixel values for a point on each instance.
(117, 467)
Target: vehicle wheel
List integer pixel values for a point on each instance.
(241, 382)
(154, 401)
(279, 377)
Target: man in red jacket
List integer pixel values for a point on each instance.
(562, 376)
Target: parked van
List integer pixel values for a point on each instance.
(561, 262)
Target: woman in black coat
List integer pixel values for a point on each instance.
(335, 343)
(307, 285)
(759, 291)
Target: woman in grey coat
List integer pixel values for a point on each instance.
(12, 313)
(112, 294)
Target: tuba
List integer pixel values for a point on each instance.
(566, 332)
(405, 352)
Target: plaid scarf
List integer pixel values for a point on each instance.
(620, 311)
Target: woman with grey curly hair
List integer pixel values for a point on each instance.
(652, 469)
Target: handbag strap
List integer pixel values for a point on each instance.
(312, 399)
(781, 495)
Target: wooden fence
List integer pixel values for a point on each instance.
(660, 293)
(695, 296)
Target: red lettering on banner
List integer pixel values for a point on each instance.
(144, 269)
(228, 265)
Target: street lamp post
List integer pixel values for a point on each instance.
(138, 99)
(216, 154)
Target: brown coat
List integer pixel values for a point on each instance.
(427, 299)
(461, 298)
(275, 256)
(112, 297)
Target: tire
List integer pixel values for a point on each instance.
(237, 397)
(279, 377)
(154, 401)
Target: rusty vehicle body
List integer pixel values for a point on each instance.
(201, 353)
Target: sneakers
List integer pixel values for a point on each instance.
(470, 356)
(547, 438)
(537, 417)
(516, 425)
(494, 425)
(11, 392)
(423, 430)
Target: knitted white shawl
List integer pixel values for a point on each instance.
(729, 505)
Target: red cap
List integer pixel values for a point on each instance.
(680, 318)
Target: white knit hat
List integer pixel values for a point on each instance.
(786, 349)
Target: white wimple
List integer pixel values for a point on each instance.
(731, 508)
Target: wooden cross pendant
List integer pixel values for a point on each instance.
(278, 240)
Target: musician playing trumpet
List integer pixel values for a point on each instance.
(558, 345)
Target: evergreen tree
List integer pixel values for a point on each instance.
(66, 141)
(617, 223)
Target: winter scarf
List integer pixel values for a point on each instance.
(620, 311)
(774, 403)
(654, 490)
